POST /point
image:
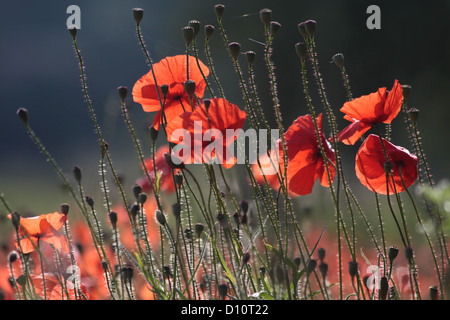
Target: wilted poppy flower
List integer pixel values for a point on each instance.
(166, 182)
(370, 168)
(170, 71)
(207, 133)
(365, 111)
(42, 228)
(305, 161)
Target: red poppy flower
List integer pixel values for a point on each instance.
(42, 228)
(365, 111)
(370, 161)
(305, 161)
(267, 170)
(171, 71)
(166, 182)
(54, 290)
(207, 135)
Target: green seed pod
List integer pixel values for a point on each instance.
(338, 59)
(266, 16)
(138, 14)
(353, 269)
(301, 49)
(384, 288)
(235, 49)
(195, 25)
(189, 87)
(160, 217)
(199, 229)
(113, 218)
(23, 115)
(274, 27)
(220, 8)
(209, 30)
(251, 55)
(188, 34)
(65, 209)
(123, 91)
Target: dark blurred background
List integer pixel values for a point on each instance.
(39, 71)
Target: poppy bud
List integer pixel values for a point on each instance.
(167, 271)
(223, 290)
(209, 30)
(137, 189)
(189, 88)
(338, 59)
(220, 8)
(77, 174)
(164, 89)
(413, 115)
(134, 210)
(235, 48)
(274, 27)
(321, 253)
(265, 16)
(138, 14)
(123, 91)
(72, 31)
(65, 209)
(392, 254)
(310, 266)
(222, 220)
(310, 27)
(245, 258)
(384, 288)
(198, 229)
(105, 266)
(353, 268)
(188, 34)
(434, 293)
(237, 218)
(262, 271)
(12, 257)
(409, 254)
(153, 133)
(207, 103)
(301, 49)
(302, 29)
(142, 198)
(388, 167)
(23, 115)
(244, 206)
(250, 57)
(176, 209)
(323, 268)
(179, 179)
(89, 201)
(173, 161)
(188, 233)
(195, 25)
(406, 91)
(127, 273)
(160, 217)
(15, 219)
(113, 218)
(297, 261)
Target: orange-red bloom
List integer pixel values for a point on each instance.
(208, 134)
(305, 161)
(170, 71)
(370, 168)
(161, 166)
(42, 228)
(365, 111)
(55, 291)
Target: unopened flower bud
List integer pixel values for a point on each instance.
(164, 89)
(23, 115)
(134, 210)
(353, 268)
(434, 293)
(388, 167)
(89, 201)
(235, 48)
(297, 261)
(310, 266)
(142, 198)
(274, 27)
(188, 34)
(338, 59)
(384, 288)
(195, 25)
(245, 258)
(189, 87)
(137, 189)
(310, 27)
(199, 229)
(392, 254)
(207, 103)
(209, 30)
(77, 174)
(73, 31)
(167, 271)
(65, 209)
(251, 55)
(153, 133)
(244, 206)
(123, 91)
(160, 217)
(223, 290)
(176, 209)
(321, 254)
(13, 256)
(301, 49)
(266, 16)
(138, 14)
(413, 115)
(173, 161)
(220, 8)
(105, 266)
(113, 218)
(15, 219)
(323, 268)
